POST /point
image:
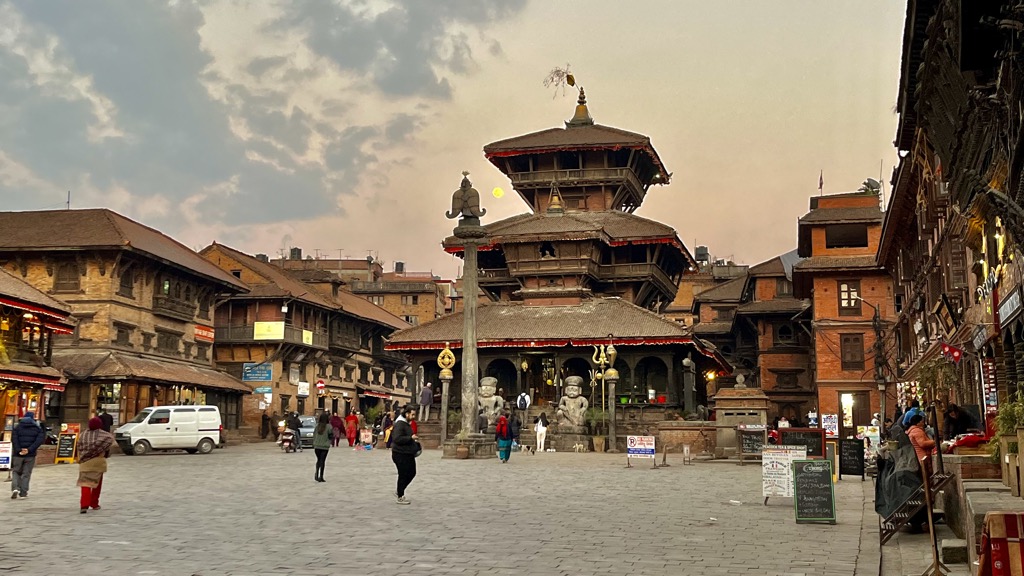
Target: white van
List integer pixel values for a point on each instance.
(189, 428)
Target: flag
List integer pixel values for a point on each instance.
(952, 353)
(821, 181)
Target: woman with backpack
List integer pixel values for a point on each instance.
(503, 435)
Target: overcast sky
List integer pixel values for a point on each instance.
(343, 126)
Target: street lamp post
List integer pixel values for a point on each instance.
(604, 360)
(879, 361)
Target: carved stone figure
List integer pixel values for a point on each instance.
(572, 408)
(466, 201)
(488, 401)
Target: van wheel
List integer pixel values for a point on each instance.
(141, 447)
(205, 446)
(191, 450)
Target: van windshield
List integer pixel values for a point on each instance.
(140, 416)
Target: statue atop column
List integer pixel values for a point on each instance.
(466, 201)
(572, 408)
(490, 403)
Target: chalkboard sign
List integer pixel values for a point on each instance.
(66, 447)
(851, 457)
(751, 442)
(813, 498)
(813, 438)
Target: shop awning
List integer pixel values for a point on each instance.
(120, 366)
(48, 378)
(371, 391)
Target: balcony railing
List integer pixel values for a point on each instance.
(397, 287)
(166, 306)
(543, 178)
(292, 334)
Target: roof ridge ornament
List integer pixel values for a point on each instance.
(582, 115)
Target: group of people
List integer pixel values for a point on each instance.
(93, 447)
(347, 427)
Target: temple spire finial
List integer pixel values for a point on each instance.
(582, 115)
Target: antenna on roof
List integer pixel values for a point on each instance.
(69, 200)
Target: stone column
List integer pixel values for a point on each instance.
(689, 383)
(470, 372)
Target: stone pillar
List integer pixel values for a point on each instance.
(689, 385)
(611, 378)
(444, 407)
(470, 372)
(672, 385)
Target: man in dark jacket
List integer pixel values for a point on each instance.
(106, 419)
(293, 422)
(27, 437)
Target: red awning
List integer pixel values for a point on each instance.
(374, 392)
(12, 376)
(30, 308)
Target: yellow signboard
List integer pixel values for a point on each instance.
(307, 337)
(268, 331)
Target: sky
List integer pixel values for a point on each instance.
(343, 127)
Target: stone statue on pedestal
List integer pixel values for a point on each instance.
(488, 401)
(572, 408)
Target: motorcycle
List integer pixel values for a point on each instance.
(287, 439)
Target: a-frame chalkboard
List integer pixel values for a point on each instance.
(813, 497)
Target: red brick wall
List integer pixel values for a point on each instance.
(818, 243)
(764, 288)
(865, 201)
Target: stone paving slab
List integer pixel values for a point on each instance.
(252, 510)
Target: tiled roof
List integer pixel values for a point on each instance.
(778, 305)
(13, 287)
(279, 283)
(283, 283)
(610, 226)
(100, 228)
(842, 215)
(712, 327)
(835, 263)
(731, 291)
(771, 267)
(120, 365)
(574, 137)
(593, 319)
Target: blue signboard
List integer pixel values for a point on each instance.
(263, 390)
(252, 372)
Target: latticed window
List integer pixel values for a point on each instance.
(67, 278)
(127, 285)
(849, 298)
(852, 346)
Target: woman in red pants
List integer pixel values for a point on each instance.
(92, 463)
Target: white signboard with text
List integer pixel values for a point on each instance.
(640, 447)
(6, 448)
(777, 469)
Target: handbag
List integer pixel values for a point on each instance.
(419, 449)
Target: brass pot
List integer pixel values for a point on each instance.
(462, 452)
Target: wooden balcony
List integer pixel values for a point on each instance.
(589, 176)
(164, 305)
(392, 287)
(244, 334)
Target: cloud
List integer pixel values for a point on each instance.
(223, 119)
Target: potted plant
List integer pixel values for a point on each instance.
(462, 449)
(1009, 423)
(597, 423)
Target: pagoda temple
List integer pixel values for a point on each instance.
(577, 271)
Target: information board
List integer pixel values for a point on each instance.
(851, 457)
(750, 442)
(639, 446)
(777, 470)
(5, 455)
(813, 496)
(67, 441)
(813, 438)
(366, 436)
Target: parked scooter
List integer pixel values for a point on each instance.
(287, 439)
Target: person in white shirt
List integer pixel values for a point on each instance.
(541, 428)
(783, 422)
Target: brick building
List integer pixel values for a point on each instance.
(29, 319)
(299, 334)
(144, 305)
(754, 320)
(706, 276)
(838, 241)
(415, 297)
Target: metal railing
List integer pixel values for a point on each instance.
(292, 334)
(543, 178)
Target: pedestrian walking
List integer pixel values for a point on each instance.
(407, 447)
(293, 423)
(426, 401)
(323, 437)
(338, 427)
(516, 425)
(107, 419)
(387, 426)
(264, 425)
(26, 438)
(352, 427)
(540, 427)
(503, 435)
(93, 447)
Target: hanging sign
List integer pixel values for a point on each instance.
(830, 422)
